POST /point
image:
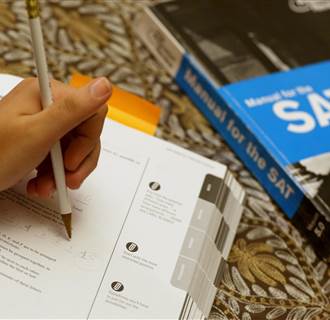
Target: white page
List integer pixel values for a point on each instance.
(8, 82)
(180, 175)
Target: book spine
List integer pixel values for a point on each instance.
(239, 137)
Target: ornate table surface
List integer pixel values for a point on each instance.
(272, 272)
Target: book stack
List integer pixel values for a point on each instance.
(263, 86)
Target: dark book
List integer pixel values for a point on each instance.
(241, 62)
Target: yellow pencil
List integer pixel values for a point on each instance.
(46, 100)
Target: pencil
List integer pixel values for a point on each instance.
(46, 101)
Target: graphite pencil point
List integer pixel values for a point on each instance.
(67, 223)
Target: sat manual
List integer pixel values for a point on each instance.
(258, 71)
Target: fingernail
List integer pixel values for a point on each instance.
(100, 88)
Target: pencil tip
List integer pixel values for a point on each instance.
(67, 223)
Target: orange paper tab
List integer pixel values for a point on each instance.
(126, 107)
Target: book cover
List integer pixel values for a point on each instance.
(278, 123)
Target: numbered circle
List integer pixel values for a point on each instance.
(117, 286)
(154, 186)
(132, 247)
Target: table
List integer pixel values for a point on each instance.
(272, 272)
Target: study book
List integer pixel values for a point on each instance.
(277, 123)
(152, 227)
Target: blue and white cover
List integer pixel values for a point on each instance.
(278, 124)
(289, 114)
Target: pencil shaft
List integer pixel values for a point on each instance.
(46, 100)
(41, 62)
(59, 175)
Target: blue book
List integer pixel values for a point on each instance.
(278, 123)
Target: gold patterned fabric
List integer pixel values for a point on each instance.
(272, 272)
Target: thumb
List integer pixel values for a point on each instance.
(77, 106)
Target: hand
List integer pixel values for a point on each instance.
(27, 133)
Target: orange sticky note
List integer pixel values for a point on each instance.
(126, 107)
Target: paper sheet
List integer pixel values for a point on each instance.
(130, 218)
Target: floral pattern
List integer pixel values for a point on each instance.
(254, 264)
(272, 272)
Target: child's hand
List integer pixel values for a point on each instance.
(27, 133)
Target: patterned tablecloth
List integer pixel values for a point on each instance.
(272, 271)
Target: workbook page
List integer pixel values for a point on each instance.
(137, 281)
(130, 218)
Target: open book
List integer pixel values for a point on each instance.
(151, 227)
